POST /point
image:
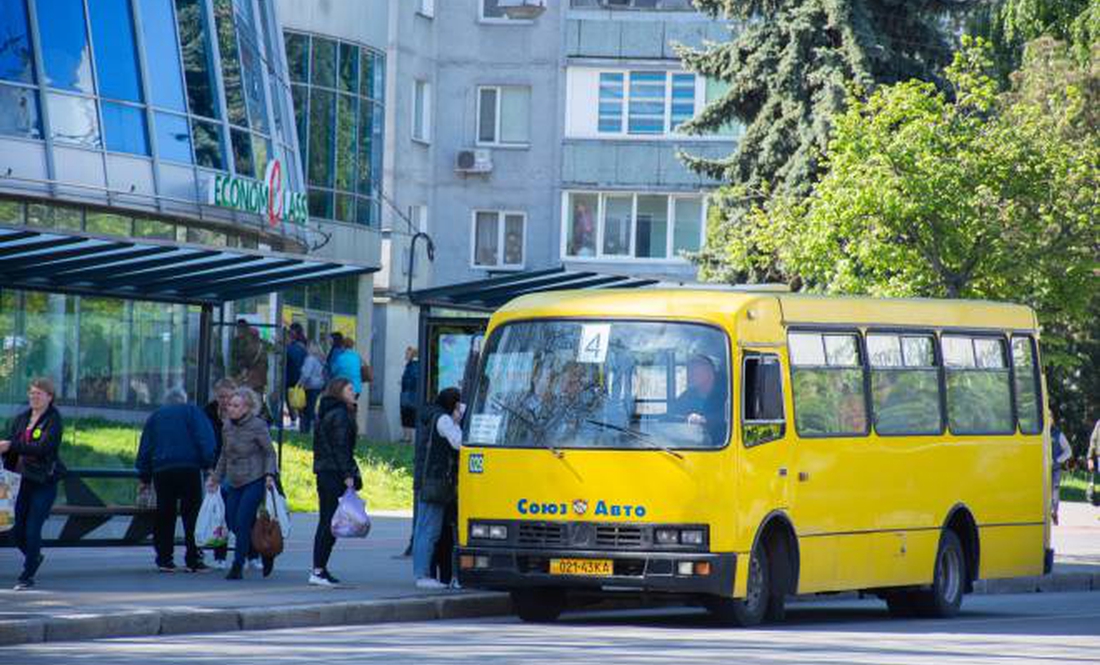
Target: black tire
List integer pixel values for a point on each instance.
(943, 599)
(538, 605)
(753, 608)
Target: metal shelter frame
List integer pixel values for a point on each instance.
(86, 264)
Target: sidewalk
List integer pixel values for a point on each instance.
(115, 592)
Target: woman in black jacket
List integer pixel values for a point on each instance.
(335, 467)
(31, 450)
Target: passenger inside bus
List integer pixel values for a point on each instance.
(703, 403)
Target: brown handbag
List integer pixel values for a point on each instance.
(267, 537)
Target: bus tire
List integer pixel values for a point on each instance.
(949, 576)
(753, 608)
(538, 605)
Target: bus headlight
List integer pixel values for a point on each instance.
(484, 531)
(668, 536)
(479, 530)
(691, 537)
(498, 532)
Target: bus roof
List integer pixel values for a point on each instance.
(704, 303)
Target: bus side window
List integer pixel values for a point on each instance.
(762, 399)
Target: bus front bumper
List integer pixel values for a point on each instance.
(632, 571)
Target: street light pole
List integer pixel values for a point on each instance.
(412, 258)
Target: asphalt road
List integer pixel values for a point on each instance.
(1033, 628)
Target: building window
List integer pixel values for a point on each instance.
(498, 239)
(422, 111)
(426, 8)
(611, 102)
(503, 114)
(337, 89)
(418, 218)
(491, 11)
(662, 5)
(616, 225)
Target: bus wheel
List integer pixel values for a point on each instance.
(538, 605)
(750, 610)
(948, 581)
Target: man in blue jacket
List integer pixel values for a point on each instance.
(177, 444)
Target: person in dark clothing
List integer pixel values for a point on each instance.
(335, 468)
(704, 401)
(410, 392)
(441, 440)
(31, 450)
(296, 352)
(177, 444)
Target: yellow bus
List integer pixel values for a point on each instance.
(733, 447)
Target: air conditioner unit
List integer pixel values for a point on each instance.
(474, 161)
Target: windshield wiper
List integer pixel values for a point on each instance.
(646, 437)
(531, 425)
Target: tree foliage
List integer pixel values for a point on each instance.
(788, 70)
(972, 192)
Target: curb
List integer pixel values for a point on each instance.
(181, 621)
(146, 623)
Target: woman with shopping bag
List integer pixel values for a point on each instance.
(335, 468)
(248, 462)
(31, 450)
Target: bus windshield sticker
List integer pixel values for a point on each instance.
(484, 428)
(594, 343)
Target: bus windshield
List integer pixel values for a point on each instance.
(600, 384)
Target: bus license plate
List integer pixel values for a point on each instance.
(590, 567)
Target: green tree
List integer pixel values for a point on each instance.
(788, 69)
(968, 193)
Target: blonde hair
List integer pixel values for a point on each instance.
(249, 397)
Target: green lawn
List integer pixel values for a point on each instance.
(386, 467)
(1073, 485)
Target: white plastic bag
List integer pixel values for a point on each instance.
(276, 507)
(351, 519)
(210, 529)
(9, 490)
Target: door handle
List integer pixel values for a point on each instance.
(783, 471)
(803, 476)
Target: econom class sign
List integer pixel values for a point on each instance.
(269, 198)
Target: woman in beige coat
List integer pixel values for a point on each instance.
(249, 465)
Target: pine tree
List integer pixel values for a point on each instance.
(789, 69)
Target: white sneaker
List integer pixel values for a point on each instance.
(220, 564)
(429, 583)
(255, 564)
(455, 585)
(317, 580)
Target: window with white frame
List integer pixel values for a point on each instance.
(422, 111)
(426, 8)
(614, 104)
(633, 226)
(503, 115)
(665, 5)
(498, 239)
(418, 217)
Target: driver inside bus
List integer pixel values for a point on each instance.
(703, 403)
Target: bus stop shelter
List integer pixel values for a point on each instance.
(453, 318)
(83, 264)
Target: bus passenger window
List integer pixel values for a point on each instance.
(979, 399)
(827, 384)
(1027, 395)
(762, 400)
(905, 384)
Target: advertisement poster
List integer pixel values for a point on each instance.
(454, 349)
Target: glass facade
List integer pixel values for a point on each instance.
(190, 80)
(338, 103)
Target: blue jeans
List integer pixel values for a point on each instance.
(429, 525)
(32, 507)
(240, 514)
